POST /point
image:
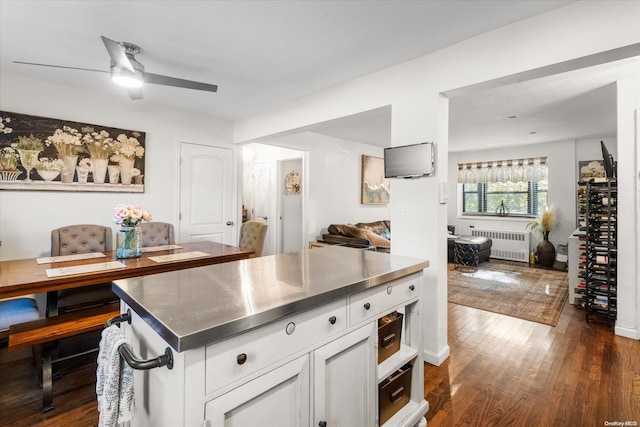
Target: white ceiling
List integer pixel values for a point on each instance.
(578, 104)
(265, 53)
(260, 53)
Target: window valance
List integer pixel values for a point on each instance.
(517, 170)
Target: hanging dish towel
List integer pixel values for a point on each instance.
(114, 380)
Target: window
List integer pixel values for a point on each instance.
(486, 188)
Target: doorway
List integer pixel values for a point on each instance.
(290, 206)
(264, 196)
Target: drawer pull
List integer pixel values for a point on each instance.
(322, 424)
(412, 287)
(397, 395)
(290, 328)
(367, 306)
(332, 320)
(388, 340)
(241, 358)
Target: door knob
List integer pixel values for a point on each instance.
(229, 222)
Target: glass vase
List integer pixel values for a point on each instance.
(128, 242)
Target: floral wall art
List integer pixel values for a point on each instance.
(40, 153)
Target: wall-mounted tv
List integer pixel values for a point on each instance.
(409, 161)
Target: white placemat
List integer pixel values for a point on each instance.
(62, 258)
(178, 257)
(86, 268)
(160, 248)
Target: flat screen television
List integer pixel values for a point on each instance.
(609, 164)
(409, 161)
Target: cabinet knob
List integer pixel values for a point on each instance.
(332, 320)
(322, 424)
(412, 287)
(367, 306)
(241, 358)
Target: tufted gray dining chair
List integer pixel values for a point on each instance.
(82, 239)
(157, 234)
(252, 236)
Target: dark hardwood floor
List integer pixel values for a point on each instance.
(74, 394)
(505, 371)
(502, 371)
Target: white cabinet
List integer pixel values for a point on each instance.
(313, 367)
(344, 380)
(278, 398)
(272, 343)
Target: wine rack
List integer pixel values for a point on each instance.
(600, 251)
(582, 203)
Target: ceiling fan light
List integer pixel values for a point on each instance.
(127, 81)
(126, 78)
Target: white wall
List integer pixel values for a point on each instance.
(27, 217)
(419, 113)
(333, 177)
(562, 157)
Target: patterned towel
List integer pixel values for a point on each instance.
(114, 382)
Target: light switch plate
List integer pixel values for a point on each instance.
(444, 193)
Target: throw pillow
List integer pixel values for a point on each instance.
(377, 240)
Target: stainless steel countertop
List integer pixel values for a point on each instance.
(198, 306)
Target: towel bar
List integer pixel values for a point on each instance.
(129, 356)
(126, 317)
(165, 359)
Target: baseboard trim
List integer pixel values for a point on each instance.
(627, 332)
(436, 359)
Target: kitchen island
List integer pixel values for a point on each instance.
(286, 340)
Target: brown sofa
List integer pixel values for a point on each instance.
(364, 235)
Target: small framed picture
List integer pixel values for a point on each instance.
(588, 169)
(374, 186)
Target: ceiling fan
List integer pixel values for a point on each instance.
(128, 72)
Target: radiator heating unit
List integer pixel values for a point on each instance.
(510, 245)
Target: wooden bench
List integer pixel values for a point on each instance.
(45, 332)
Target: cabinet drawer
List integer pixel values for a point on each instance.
(380, 300)
(237, 357)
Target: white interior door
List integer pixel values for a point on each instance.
(206, 193)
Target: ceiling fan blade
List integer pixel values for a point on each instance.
(59, 66)
(116, 52)
(173, 81)
(135, 92)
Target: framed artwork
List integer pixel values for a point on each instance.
(41, 153)
(292, 184)
(588, 169)
(375, 188)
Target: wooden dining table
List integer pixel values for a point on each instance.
(51, 274)
(31, 276)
